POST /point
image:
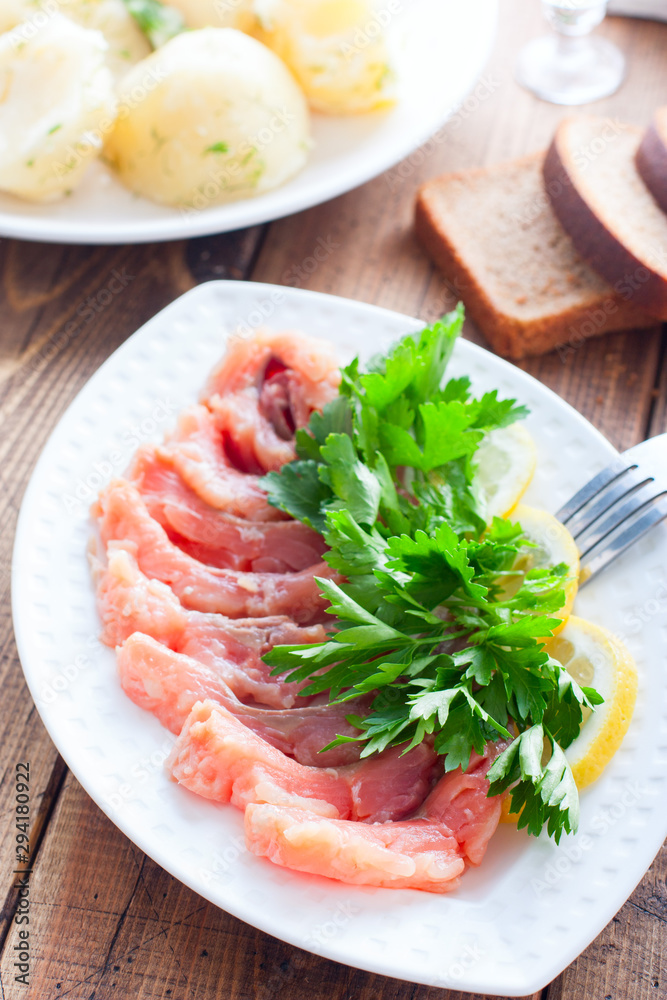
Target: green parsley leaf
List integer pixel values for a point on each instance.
(158, 21)
(444, 429)
(335, 418)
(352, 551)
(437, 625)
(298, 490)
(353, 484)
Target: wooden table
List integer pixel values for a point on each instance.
(106, 921)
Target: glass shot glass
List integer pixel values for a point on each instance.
(569, 66)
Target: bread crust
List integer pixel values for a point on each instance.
(513, 336)
(651, 161)
(596, 243)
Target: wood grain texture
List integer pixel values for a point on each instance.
(658, 409)
(629, 958)
(63, 310)
(108, 922)
(606, 384)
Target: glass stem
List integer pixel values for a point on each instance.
(569, 45)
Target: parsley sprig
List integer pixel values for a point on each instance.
(426, 619)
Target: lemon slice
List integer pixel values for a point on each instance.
(595, 658)
(506, 461)
(553, 544)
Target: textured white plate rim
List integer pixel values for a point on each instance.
(255, 293)
(477, 36)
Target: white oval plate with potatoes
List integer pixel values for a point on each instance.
(442, 48)
(532, 906)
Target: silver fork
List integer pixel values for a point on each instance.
(618, 506)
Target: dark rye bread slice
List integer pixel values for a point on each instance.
(494, 236)
(600, 199)
(651, 158)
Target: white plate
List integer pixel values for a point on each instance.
(531, 907)
(442, 47)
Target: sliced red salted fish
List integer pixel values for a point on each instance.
(196, 450)
(249, 362)
(240, 645)
(372, 795)
(460, 801)
(253, 546)
(129, 602)
(168, 684)
(218, 757)
(266, 386)
(411, 854)
(145, 676)
(428, 851)
(259, 546)
(249, 434)
(392, 784)
(316, 725)
(123, 516)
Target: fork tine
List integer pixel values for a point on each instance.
(618, 489)
(592, 488)
(610, 548)
(631, 504)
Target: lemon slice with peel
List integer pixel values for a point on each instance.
(506, 461)
(553, 544)
(594, 657)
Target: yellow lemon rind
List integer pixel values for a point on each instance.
(621, 707)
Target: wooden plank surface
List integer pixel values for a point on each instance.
(107, 922)
(57, 328)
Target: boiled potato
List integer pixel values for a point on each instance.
(222, 119)
(12, 12)
(216, 13)
(56, 103)
(337, 50)
(126, 42)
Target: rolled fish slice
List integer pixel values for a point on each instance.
(266, 386)
(429, 851)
